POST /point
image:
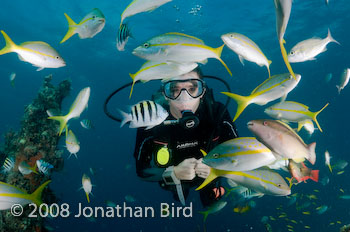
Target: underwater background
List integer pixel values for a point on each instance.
(108, 149)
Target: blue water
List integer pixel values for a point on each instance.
(97, 63)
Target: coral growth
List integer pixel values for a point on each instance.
(36, 140)
(345, 228)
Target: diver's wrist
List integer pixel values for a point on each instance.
(169, 176)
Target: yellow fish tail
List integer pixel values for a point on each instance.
(300, 125)
(10, 45)
(285, 58)
(133, 83)
(316, 114)
(330, 168)
(63, 122)
(36, 195)
(218, 52)
(242, 102)
(71, 28)
(212, 176)
(87, 197)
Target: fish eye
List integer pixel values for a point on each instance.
(265, 123)
(57, 57)
(292, 52)
(279, 185)
(94, 16)
(216, 155)
(146, 45)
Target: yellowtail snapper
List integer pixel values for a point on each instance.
(144, 114)
(123, 36)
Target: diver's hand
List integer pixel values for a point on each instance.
(185, 169)
(202, 170)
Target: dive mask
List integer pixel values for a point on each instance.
(174, 88)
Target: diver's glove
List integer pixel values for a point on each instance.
(186, 169)
(202, 170)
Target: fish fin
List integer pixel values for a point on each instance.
(218, 52)
(330, 168)
(10, 45)
(33, 169)
(339, 88)
(300, 125)
(150, 127)
(315, 115)
(205, 214)
(330, 38)
(285, 58)
(311, 148)
(133, 83)
(87, 197)
(203, 152)
(298, 160)
(39, 69)
(314, 175)
(284, 97)
(268, 68)
(212, 176)
(241, 59)
(126, 118)
(63, 122)
(71, 29)
(242, 102)
(203, 61)
(36, 195)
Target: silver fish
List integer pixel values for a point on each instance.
(144, 114)
(87, 124)
(344, 80)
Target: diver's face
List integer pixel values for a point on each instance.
(185, 92)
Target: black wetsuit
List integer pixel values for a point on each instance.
(184, 143)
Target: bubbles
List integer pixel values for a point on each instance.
(195, 10)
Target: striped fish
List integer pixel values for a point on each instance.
(123, 36)
(43, 167)
(8, 165)
(87, 124)
(144, 114)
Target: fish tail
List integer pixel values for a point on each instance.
(126, 118)
(36, 195)
(10, 45)
(218, 52)
(212, 176)
(285, 58)
(87, 197)
(330, 168)
(315, 115)
(71, 28)
(242, 103)
(314, 175)
(133, 83)
(330, 38)
(63, 122)
(205, 214)
(312, 157)
(300, 125)
(203, 152)
(339, 89)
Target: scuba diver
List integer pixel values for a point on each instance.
(170, 153)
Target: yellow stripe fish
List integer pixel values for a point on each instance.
(138, 6)
(214, 208)
(10, 195)
(180, 48)
(246, 49)
(78, 106)
(271, 89)
(263, 181)
(155, 70)
(72, 143)
(239, 154)
(88, 27)
(39, 54)
(293, 112)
